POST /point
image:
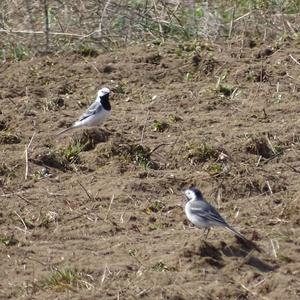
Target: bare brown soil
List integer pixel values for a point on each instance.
(224, 117)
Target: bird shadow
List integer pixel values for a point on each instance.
(214, 255)
(246, 252)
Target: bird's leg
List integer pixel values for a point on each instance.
(207, 232)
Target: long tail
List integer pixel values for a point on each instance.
(65, 130)
(244, 239)
(235, 232)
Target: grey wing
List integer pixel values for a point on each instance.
(205, 210)
(93, 109)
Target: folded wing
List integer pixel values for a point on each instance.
(205, 210)
(95, 107)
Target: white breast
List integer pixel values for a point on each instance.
(197, 220)
(94, 120)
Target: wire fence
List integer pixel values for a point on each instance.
(57, 25)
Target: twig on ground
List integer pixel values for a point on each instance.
(231, 22)
(274, 248)
(158, 146)
(47, 29)
(102, 16)
(91, 197)
(291, 167)
(159, 23)
(21, 229)
(144, 127)
(271, 145)
(23, 222)
(243, 16)
(26, 162)
(122, 215)
(26, 155)
(104, 274)
(294, 59)
(11, 194)
(88, 285)
(11, 100)
(270, 159)
(260, 282)
(42, 32)
(269, 187)
(81, 215)
(109, 207)
(248, 290)
(258, 161)
(36, 260)
(219, 197)
(295, 79)
(26, 200)
(93, 65)
(173, 13)
(294, 31)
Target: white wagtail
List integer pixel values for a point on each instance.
(203, 215)
(95, 114)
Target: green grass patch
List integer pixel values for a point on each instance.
(119, 89)
(173, 118)
(7, 173)
(155, 207)
(202, 153)
(156, 226)
(61, 280)
(63, 158)
(215, 168)
(162, 267)
(72, 151)
(87, 51)
(132, 252)
(226, 90)
(8, 240)
(14, 51)
(160, 126)
(130, 153)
